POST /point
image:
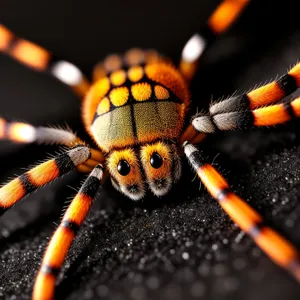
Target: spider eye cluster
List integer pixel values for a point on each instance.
(154, 166)
(156, 160)
(123, 167)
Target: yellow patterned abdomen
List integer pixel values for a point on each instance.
(136, 104)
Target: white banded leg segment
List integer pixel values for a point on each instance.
(223, 122)
(66, 72)
(18, 132)
(203, 123)
(48, 135)
(265, 116)
(79, 154)
(96, 158)
(260, 97)
(194, 48)
(25, 133)
(70, 75)
(40, 59)
(220, 20)
(235, 103)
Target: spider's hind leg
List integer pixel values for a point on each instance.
(220, 20)
(40, 59)
(274, 245)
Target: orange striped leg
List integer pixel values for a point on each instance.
(220, 21)
(96, 158)
(275, 246)
(25, 133)
(192, 136)
(265, 116)
(62, 239)
(40, 175)
(40, 59)
(264, 95)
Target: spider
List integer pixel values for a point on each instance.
(140, 152)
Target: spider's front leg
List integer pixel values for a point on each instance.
(265, 116)
(254, 108)
(41, 175)
(62, 239)
(274, 245)
(264, 95)
(25, 133)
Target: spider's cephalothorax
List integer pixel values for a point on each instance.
(135, 112)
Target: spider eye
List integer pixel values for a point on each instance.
(156, 160)
(123, 167)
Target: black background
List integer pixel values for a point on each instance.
(183, 246)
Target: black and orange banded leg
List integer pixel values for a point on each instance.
(40, 59)
(274, 245)
(265, 116)
(40, 175)
(25, 133)
(63, 237)
(262, 96)
(220, 21)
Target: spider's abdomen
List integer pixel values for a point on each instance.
(136, 104)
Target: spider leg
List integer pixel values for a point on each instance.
(264, 116)
(25, 133)
(264, 95)
(19, 132)
(274, 245)
(40, 175)
(220, 20)
(62, 239)
(40, 59)
(191, 135)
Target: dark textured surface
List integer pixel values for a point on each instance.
(184, 246)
